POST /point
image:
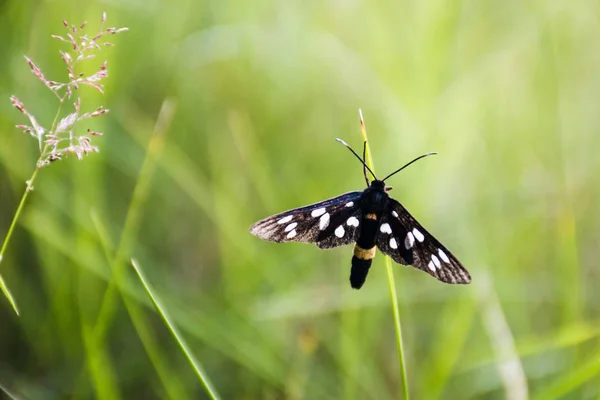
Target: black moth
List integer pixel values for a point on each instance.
(369, 218)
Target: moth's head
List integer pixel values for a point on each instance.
(377, 184)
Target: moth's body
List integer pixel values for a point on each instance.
(373, 203)
(370, 219)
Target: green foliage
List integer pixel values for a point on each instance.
(223, 113)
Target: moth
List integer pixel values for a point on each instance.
(370, 219)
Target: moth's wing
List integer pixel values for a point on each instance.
(402, 238)
(343, 228)
(316, 223)
(390, 242)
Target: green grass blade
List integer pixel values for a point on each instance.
(11, 229)
(132, 219)
(447, 346)
(109, 303)
(173, 388)
(397, 325)
(184, 347)
(508, 363)
(8, 393)
(100, 367)
(7, 293)
(391, 282)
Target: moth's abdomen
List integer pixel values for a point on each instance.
(364, 250)
(361, 262)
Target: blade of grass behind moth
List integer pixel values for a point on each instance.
(447, 346)
(510, 368)
(171, 384)
(267, 361)
(184, 347)
(140, 193)
(100, 368)
(108, 306)
(7, 393)
(566, 339)
(8, 294)
(390, 275)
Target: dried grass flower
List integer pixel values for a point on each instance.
(65, 135)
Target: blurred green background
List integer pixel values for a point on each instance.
(249, 97)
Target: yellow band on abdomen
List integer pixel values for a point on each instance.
(364, 254)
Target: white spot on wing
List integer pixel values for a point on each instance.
(393, 243)
(395, 214)
(385, 228)
(436, 261)
(339, 231)
(291, 226)
(431, 266)
(352, 221)
(324, 221)
(409, 241)
(285, 219)
(291, 234)
(318, 212)
(349, 204)
(418, 235)
(443, 256)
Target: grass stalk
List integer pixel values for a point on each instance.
(140, 193)
(28, 189)
(391, 282)
(7, 393)
(108, 306)
(210, 390)
(172, 386)
(508, 362)
(3, 286)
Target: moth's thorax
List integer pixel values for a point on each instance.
(374, 198)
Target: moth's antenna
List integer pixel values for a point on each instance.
(365, 162)
(357, 156)
(416, 159)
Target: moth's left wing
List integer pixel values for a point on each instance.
(401, 237)
(329, 223)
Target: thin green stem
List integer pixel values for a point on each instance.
(396, 312)
(132, 218)
(172, 386)
(11, 229)
(390, 275)
(117, 263)
(8, 294)
(7, 393)
(18, 213)
(178, 338)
